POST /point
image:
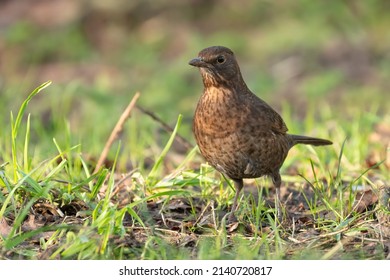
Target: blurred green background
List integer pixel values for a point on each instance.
(308, 59)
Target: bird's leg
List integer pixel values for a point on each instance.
(238, 185)
(277, 180)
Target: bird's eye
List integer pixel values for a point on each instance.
(220, 59)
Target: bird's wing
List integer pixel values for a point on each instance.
(267, 116)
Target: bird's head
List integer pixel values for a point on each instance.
(218, 67)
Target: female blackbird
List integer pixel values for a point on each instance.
(237, 132)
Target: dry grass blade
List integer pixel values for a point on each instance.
(120, 184)
(116, 131)
(202, 213)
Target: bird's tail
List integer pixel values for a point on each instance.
(299, 139)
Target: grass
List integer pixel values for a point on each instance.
(55, 208)
(324, 70)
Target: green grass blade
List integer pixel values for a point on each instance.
(86, 170)
(15, 125)
(101, 178)
(338, 174)
(32, 186)
(15, 241)
(26, 164)
(134, 215)
(57, 169)
(42, 192)
(7, 200)
(160, 159)
(111, 181)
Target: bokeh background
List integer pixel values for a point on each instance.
(308, 59)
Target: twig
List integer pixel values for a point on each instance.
(119, 185)
(115, 132)
(202, 214)
(186, 144)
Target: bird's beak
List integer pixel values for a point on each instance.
(197, 62)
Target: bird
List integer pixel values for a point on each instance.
(237, 132)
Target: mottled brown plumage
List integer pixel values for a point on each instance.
(236, 131)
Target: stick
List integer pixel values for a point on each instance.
(186, 144)
(115, 132)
